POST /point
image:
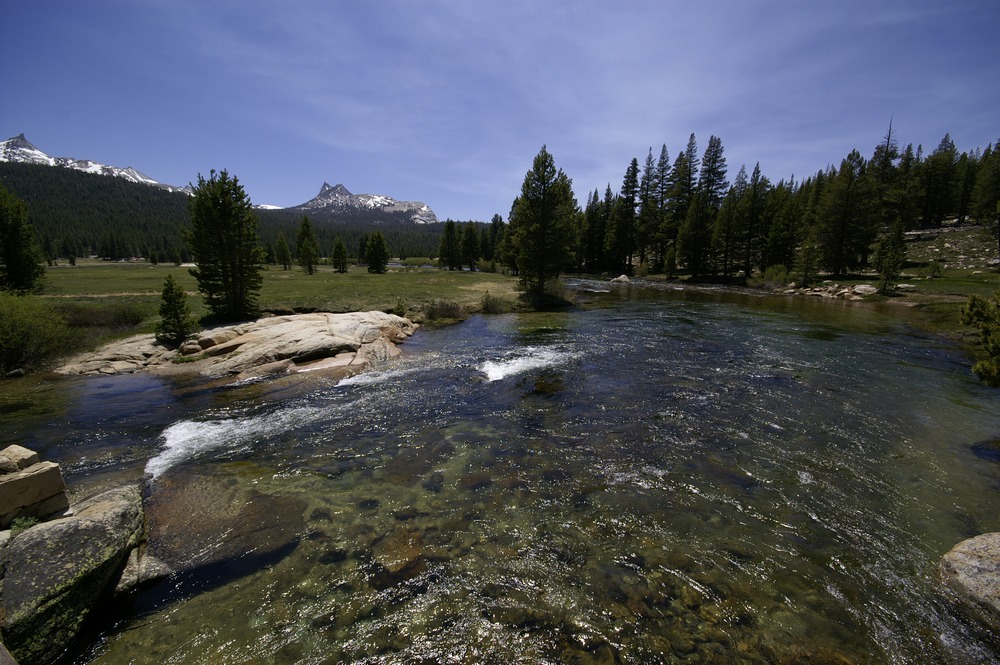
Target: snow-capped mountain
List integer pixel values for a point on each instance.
(19, 149)
(338, 198)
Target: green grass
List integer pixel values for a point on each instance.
(100, 285)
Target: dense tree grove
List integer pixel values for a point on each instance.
(21, 262)
(687, 216)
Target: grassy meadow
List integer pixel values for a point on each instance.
(92, 286)
(102, 300)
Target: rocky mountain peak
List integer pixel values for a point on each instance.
(337, 199)
(338, 190)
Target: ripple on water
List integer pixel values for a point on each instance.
(723, 491)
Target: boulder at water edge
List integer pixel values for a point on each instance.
(971, 571)
(271, 345)
(55, 572)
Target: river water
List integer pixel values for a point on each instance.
(650, 476)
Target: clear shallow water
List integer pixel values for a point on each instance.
(651, 477)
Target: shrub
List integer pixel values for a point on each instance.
(22, 524)
(443, 309)
(31, 332)
(774, 277)
(932, 269)
(984, 314)
(493, 304)
(114, 317)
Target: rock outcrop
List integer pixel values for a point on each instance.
(970, 571)
(834, 291)
(29, 487)
(55, 572)
(343, 343)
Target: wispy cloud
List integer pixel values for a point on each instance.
(448, 101)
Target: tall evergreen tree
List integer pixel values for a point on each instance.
(224, 242)
(986, 194)
(965, 182)
(890, 253)
(450, 251)
(497, 230)
(470, 246)
(685, 179)
(339, 256)
(846, 225)
(176, 322)
(938, 180)
(755, 221)
(695, 235)
(545, 211)
(377, 253)
(282, 252)
(647, 222)
(307, 246)
(785, 211)
(729, 223)
(621, 231)
(22, 265)
(712, 178)
(664, 185)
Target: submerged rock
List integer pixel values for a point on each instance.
(214, 526)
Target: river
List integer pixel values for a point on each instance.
(653, 475)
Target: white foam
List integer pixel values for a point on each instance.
(371, 378)
(187, 439)
(529, 359)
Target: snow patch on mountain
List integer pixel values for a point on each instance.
(338, 197)
(20, 150)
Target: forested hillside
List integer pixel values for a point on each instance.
(82, 214)
(76, 214)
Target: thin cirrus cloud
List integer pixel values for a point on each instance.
(448, 101)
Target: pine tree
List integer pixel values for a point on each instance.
(664, 184)
(377, 253)
(785, 211)
(224, 243)
(938, 178)
(339, 256)
(283, 253)
(450, 251)
(176, 322)
(544, 215)
(984, 314)
(21, 263)
(730, 222)
(470, 246)
(647, 223)
(621, 231)
(306, 246)
(755, 221)
(890, 253)
(846, 228)
(685, 179)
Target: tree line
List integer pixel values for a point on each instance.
(686, 215)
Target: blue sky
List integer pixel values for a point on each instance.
(448, 101)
